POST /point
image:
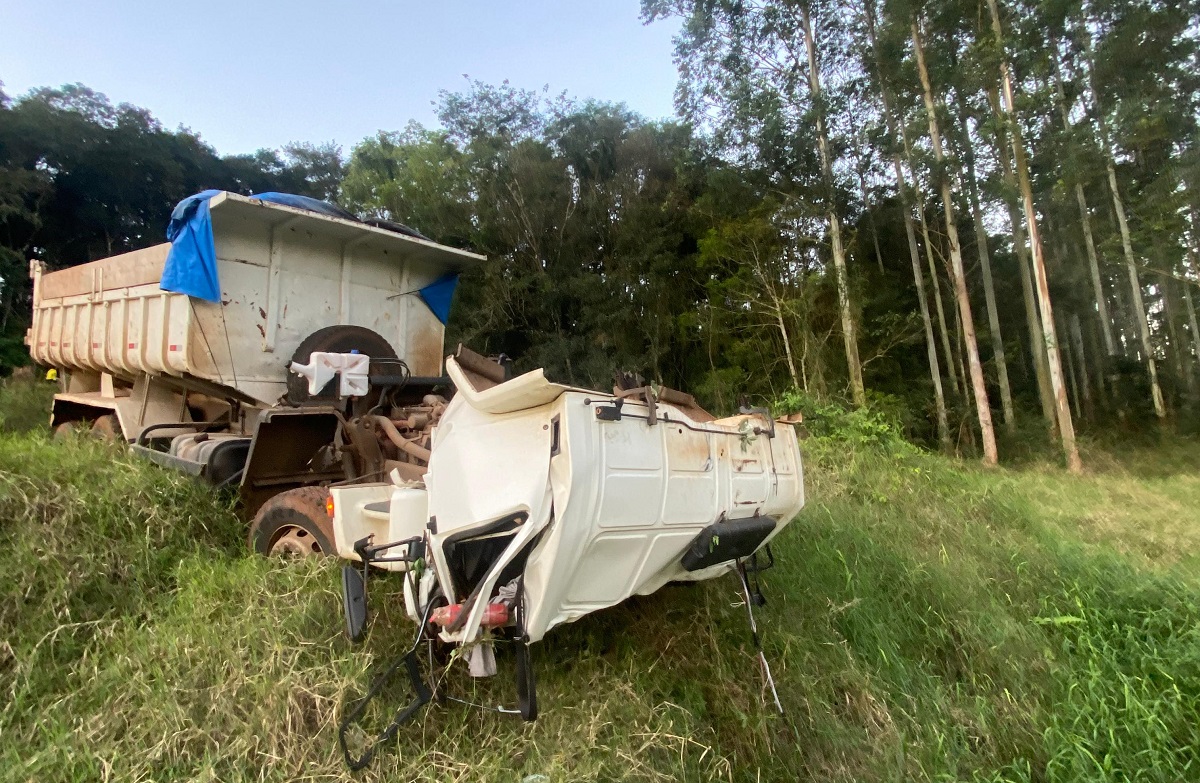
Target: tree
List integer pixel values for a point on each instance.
(82, 178)
(982, 406)
(887, 101)
(754, 71)
(1066, 428)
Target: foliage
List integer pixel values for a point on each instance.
(877, 424)
(697, 252)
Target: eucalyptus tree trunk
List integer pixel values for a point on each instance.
(1076, 332)
(787, 348)
(982, 406)
(1135, 285)
(1123, 323)
(1191, 313)
(961, 349)
(1095, 345)
(909, 232)
(933, 273)
(1194, 342)
(835, 230)
(1066, 428)
(1085, 219)
(989, 288)
(1071, 376)
(1033, 321)
(866, 197)
(1171, 313)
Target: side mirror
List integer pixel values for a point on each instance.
(354, 602)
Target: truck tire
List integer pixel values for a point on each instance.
(107, 428)
(66, 430)
(294, 524)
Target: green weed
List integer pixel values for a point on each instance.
(928, 620)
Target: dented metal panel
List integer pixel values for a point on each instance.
(595, 499)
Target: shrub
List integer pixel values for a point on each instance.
(879, 423)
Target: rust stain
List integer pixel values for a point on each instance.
(688, 450)
(262, 314)
(262, 331)
(425, 351)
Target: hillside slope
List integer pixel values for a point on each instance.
(928, 620)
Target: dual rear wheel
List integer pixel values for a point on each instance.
(106, 427)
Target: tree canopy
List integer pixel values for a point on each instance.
(944, 209)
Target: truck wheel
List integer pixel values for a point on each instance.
(66, 430)
(107, 428)
(294, 524)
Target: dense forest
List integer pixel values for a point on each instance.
(981, 219)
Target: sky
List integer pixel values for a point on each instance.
(262, 73)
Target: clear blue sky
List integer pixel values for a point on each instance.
(246, 74)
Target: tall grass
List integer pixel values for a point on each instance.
(928, 620)
(25, 404)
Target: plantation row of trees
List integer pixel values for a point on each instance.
(955, 210)
(1042, 157)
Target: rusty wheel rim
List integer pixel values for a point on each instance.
(294, 541)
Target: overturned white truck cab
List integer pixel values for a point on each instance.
(544, 502)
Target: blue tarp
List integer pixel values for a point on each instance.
(192, 263)
(438, 294)
(304, 202)
(191, 266)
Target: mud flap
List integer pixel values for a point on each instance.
(282, 452)
(730, 539)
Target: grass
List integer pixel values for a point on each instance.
(25, 404)
(928, 620)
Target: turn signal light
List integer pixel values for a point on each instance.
(329, 505)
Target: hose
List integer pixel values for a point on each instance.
(394, 436)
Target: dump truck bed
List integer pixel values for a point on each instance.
(284, 273)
